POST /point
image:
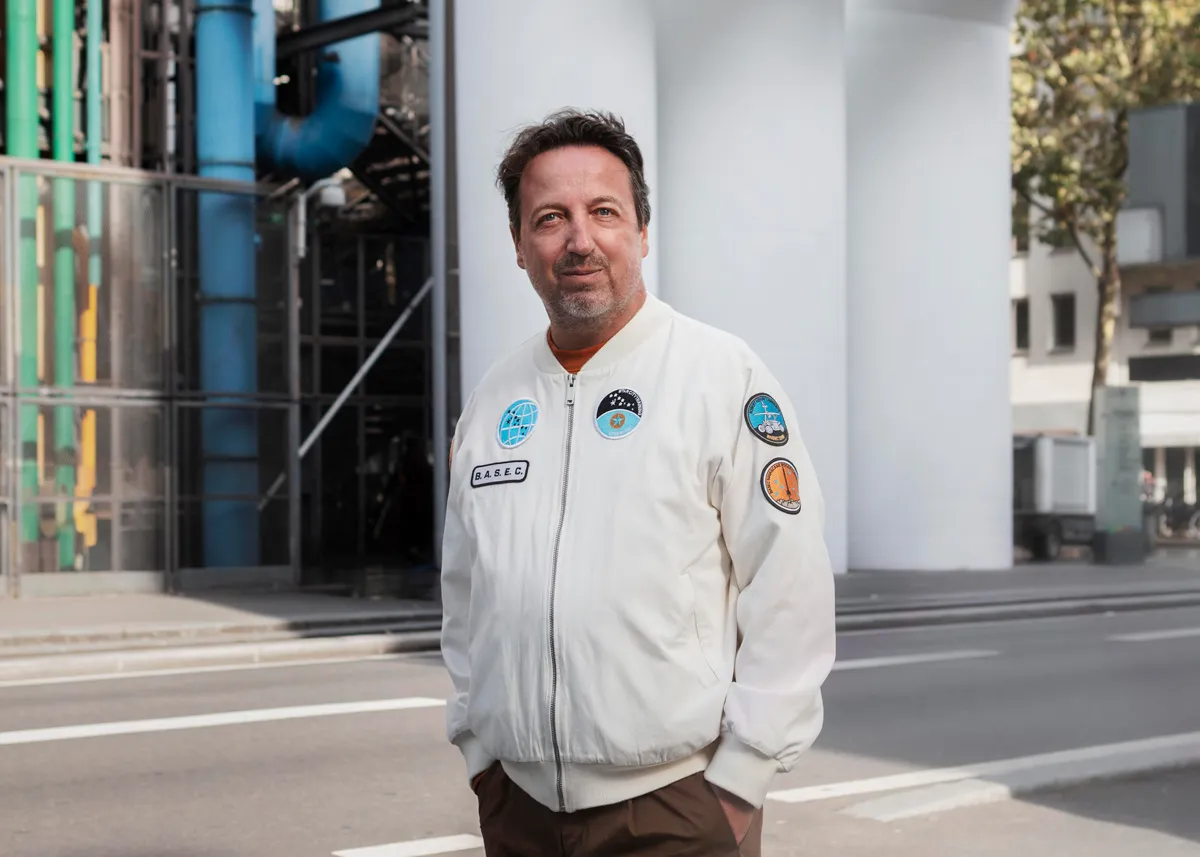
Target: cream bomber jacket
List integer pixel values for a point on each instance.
(609, 538)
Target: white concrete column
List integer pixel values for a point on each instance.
(515, 62)
(930, 453)
(751, 205)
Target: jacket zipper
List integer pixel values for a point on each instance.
(562, 514)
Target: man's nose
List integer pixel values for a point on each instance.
(579, 240)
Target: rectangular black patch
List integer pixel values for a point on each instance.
(499, 473)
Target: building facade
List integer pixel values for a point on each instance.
(1055, 303)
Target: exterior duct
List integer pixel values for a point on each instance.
(341, 124)
(228, 297)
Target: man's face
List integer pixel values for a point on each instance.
(579, 239)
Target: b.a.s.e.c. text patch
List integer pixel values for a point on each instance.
(499, 473)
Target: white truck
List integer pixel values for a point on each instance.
(1054, 493)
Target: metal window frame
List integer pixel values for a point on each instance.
(170, 396)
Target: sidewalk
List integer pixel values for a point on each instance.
(122, 633)
(55, 625)
(1164, 572)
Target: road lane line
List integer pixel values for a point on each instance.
(223, 668)
(865, 663)
(923, 658)
(1182, 746)
(200, 721)
(417, 847)
(1154, 636)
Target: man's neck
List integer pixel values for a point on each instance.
(578, 338)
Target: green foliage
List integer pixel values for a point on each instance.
(1078, 68)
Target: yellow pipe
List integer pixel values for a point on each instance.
(41, 55)
(88, 330)
(85, 522)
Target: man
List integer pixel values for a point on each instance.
(638, 599)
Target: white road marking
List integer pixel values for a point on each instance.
(417, 847)
(225, 668)
(865, 663)
(1153, 636)
(200, 721)
(924, 658)
(1172, 747)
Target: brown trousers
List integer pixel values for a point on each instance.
(685, 819)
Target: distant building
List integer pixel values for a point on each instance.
(1055, 301)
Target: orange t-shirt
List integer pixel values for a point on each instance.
(572, 361)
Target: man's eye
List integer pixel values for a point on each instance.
(605, 211)
(545, 217)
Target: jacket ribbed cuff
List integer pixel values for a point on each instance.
(741, 770)
(478, 760)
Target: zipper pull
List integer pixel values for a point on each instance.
(570, 389)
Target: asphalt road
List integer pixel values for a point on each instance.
(310, 761)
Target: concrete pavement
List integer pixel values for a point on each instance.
(329, 758)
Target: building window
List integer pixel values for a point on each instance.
(1062, 309)
(1020, 320)
(1158, 335)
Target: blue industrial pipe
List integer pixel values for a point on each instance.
(228, 307)
(341, 124)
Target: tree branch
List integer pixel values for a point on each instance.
(1068, 224)
(1087, 259)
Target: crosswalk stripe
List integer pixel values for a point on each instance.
(225, 718)
(417, 847)
(903, 660)
(1154, 636)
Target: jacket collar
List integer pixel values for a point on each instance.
(653, 315)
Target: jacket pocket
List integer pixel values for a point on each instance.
(708, 673)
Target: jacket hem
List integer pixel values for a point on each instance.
(587, 786)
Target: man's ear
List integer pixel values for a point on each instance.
(645, 241)
(512, 230)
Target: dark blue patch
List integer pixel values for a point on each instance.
(619, 413)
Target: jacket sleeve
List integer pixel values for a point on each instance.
(456, 616)
(785, 606)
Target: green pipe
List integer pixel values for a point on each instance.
(63, 112)
(95, 22)
(21, 132)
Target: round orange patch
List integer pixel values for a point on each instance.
(781, 485)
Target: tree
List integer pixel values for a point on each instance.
(1078, 68)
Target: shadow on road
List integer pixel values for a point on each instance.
(1166, 802)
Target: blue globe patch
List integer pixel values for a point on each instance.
(765, 419)
(618, 414)
(517, 423)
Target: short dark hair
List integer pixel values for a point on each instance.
(571, 127)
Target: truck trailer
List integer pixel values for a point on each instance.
(1054, 493)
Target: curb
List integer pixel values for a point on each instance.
(111, 663)
(1000, 781)
(254, 635)
(306, 626)
(932, 616)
